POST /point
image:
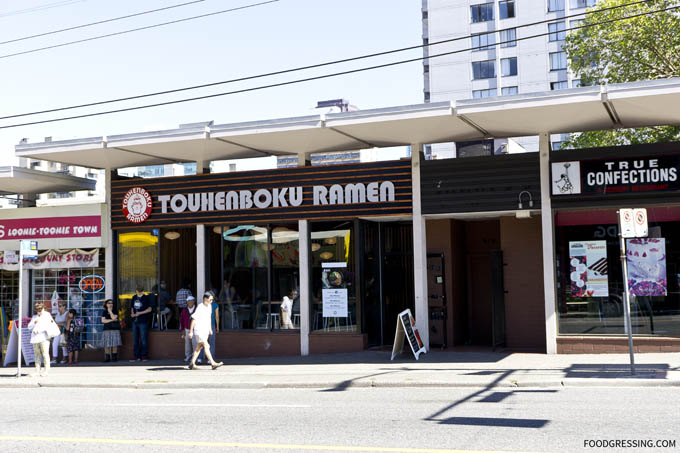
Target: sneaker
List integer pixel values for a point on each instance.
(133, 360)
(145, 359)
(63, 361)
(53, 362)
(217, 365)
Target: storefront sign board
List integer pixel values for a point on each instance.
(406, 328)
(56, 227)
(319, 192)
(55, 259)
(11, 257)
(588, 269)
(26, 346)
(616, 175)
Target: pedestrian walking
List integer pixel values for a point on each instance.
(141, 311)
(72, 329)
(39, 339)
(111, 332)
(185, 328)
(60, 340)
(201, 328)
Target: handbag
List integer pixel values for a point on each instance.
(53, 329)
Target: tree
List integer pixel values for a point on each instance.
(642, 48)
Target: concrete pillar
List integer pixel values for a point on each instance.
(26, 292)
(548, 239)
(305, 281)
(200, 249)
(108, 241)
(419, 250)
(305, 267)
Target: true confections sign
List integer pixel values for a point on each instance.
(616, 175)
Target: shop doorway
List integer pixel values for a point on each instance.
(477, 300)
(388, 278)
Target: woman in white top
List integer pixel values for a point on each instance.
(60, 319)
(287, 310)
(201, 329)
(39, 339)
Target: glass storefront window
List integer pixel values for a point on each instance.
(334, 305)
(244, 284)
(590, 280)
(137, 265)
(260, 268)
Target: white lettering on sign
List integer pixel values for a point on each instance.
(642, 172)
(336, 194)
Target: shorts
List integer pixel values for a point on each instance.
(201, 339)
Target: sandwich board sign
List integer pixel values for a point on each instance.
(14, 342)
(406, 327)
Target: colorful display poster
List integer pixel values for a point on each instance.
(647, 266)
(589, 273)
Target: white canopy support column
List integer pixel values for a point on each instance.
(548, 236)
(108, 250)
(419, 250)
(305, 268)
(200, 249)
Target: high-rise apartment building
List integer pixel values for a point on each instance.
(491, 57)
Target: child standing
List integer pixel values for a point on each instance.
(72, 337)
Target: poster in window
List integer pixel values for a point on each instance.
(589, 273)
(334, 290)
(647, 266)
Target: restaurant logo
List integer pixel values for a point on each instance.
(137, 205)
(91, 284)
(619, 175)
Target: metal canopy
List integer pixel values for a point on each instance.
(648, 103)
(17, 180)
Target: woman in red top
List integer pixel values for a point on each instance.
(184, 324)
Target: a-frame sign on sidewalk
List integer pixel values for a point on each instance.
(406, 327)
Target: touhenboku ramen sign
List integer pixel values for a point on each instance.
(373, 192)
(274, 195)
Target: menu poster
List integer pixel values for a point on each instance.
(647, 266)
(589, 274)
(334, 290)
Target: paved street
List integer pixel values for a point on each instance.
(364, 419)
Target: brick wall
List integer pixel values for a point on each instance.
(523, 274)
(615, 345)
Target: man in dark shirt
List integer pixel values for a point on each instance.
(140, 313)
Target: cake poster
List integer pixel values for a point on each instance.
(647, 266)
(589, 276)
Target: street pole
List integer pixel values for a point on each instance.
(21, 300)
(626, 303)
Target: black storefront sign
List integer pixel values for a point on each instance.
(313, 193)
(481, 184)
(628, 175)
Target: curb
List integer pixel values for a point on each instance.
(339, 386)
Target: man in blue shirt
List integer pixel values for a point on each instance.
(140, 312)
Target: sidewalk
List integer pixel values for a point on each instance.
(337, 372)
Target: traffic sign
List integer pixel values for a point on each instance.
(640, 220)
(29, 248)
(627, 223)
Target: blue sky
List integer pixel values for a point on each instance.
(277, 36)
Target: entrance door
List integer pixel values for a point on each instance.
(388, 278)
(497, 299)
